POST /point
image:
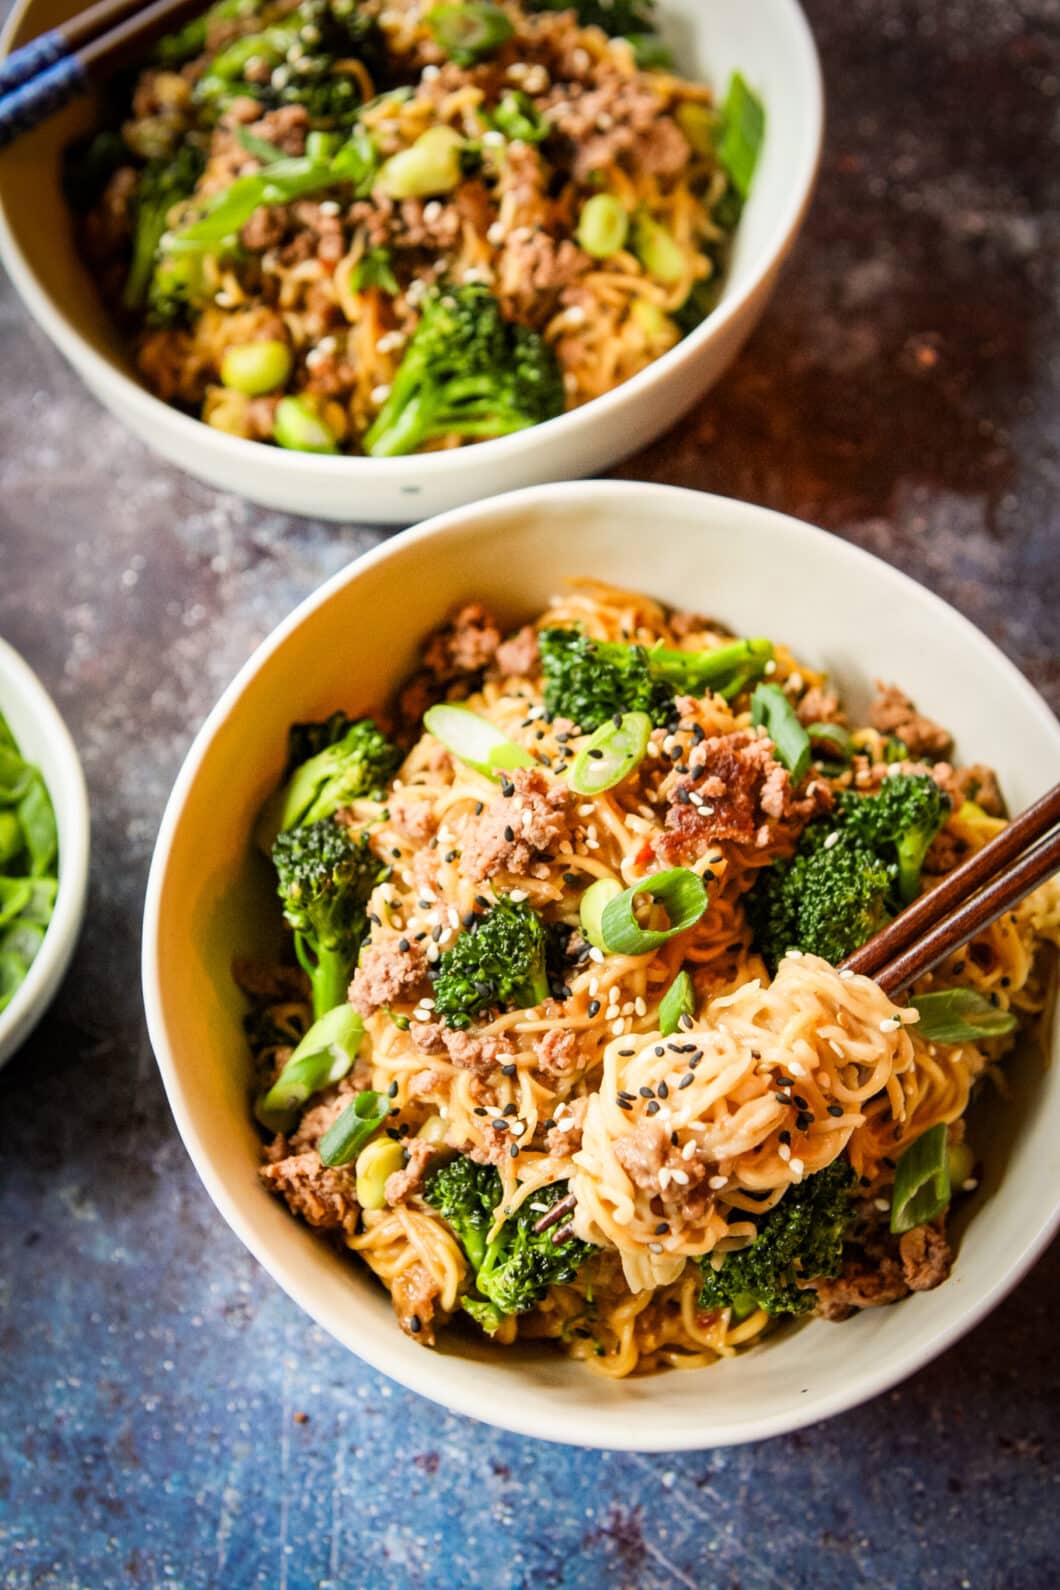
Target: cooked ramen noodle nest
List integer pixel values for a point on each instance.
(383, 228)
(561, 1045)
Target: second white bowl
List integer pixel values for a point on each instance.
(768, 41)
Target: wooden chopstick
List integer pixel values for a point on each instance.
(969, 899)
(44, 75)
(958, 885)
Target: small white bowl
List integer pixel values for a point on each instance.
(768, 41)
(208, 898)
(44, 739)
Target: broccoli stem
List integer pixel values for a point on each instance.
(329, 973)
(726, 669)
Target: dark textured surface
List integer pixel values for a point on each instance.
(903, 391)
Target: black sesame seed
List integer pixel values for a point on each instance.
(507, 1071)
(549, 1124)
(509, 833)
(624, 1104)
(480, 1109)
(835, 1109)
(803, 1122)
(415, 1323)
(663, 1091)
(799, 1102)
(571, 878)
(686, 1081)
(594, 1007)
(514, 1151)
(785, 1137)
(662, 1228)
(482, 902)
(499, 1126)
(404, 946)
(391, 1091)
(653, 1108)
(674, 1140)
(451, 855)
(507, 787)
(509, 1110)
(658, 1051)
(646, 1093)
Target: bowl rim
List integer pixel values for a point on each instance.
(428, 1378)
(188, 431)
(73, 823)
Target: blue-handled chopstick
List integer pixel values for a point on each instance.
(45, 74)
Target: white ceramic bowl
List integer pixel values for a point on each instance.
(43, 738)
(347, 645)
(768, 40)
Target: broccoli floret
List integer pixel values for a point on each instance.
(467, 372)
(324, 879)
(589, 681)
(359, 763)
(499, 963)
(836, 892)
(799, 1240)
(177, 284)
(163, 183)
(516, 1269)
(826, 900)
(618, 18)
(339, 29)
(465, 1194)
(902, 819)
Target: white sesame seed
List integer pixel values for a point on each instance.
(432, 210)
(596, 954)
(517, 1128)
(433, 952)
(330, 207)
(717, 1181)
(586, 809)
(881, 1204)
(518, 895)
(618, 1027)
(785, 1152)
(496, 234)
(833, 839)
(770, 667)
(796, 1167)
(969, 1185)
(639, 1006)
(689, 1150)
(664, 1177)
(379, 394)
(836, 1048)
(846, 974)
(680, 1177)
(428, 75)
(594, 984)
(890, 1024)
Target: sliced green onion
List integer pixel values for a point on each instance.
(834, 735)
(743, 129)
(679, 1000)
(921, 1181)
(260, 148)
(475, 740)
(657, 251)
(603, 225)
(322, 145)
(519, 119)
(15, 895)
(324, 1056)
(430, 165)
(699, 124)
(468, 32)
(680, 892)
(960, 1015)
(771, 707)
(359, 1120)
(591, 909)
(298, 426)
(611, 754)
(255, 368)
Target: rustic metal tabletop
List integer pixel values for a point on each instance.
(168, 1416)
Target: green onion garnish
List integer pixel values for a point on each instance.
(475, 740)
(835, 736)
(591, 909)
(324, 1056)
(960, 1015)
(680, 892)
(344, 1139)
(743, 129)
(771, 707)
(921, 1181)
(611, 754)
(468, 32)
(679, 1000)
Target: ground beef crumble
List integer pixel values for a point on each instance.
(387, 972)
(517, 827)
(324, 1198)
(742, 794)
(892, 712)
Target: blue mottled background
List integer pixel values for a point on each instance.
(167, 1416)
